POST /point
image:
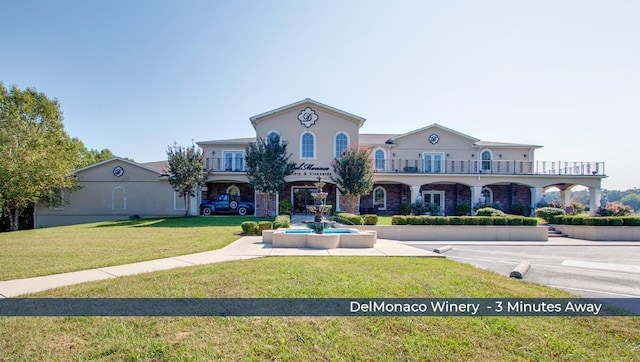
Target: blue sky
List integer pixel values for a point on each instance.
(135, 76)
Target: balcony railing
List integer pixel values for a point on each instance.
(504, 167)
(413, 166)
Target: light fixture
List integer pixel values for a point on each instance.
(525, 155)
(472, 155)
(393, 154)
(500, 155)
(213, 152)
(447, 155)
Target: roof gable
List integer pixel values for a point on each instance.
(303, 103)
(433, 128)
(120, 160)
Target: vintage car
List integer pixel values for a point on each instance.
(226, 203)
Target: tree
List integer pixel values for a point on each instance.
(633, 200)
(354, 176)
(87, 156)
(37, 157)
(268, 165)
(185, 172)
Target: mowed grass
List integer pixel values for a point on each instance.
(325, 338)
(55, 250)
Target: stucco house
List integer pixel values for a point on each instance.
(434, 164)
(116, 189)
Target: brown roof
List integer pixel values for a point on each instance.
(160, 166)
(374, 138)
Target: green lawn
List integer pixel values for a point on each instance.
(325, 338)
(32, 253)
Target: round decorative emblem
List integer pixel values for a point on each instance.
(434, 138)
(118, 171)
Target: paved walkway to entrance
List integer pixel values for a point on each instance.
(248, 247)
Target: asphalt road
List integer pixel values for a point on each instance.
(584, 268)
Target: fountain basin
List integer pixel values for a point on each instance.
(330, 239)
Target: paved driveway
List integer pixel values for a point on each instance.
(587, 269)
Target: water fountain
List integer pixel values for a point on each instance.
(318, 235)
(319, 208)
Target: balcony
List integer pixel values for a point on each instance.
(222, 164)
(499, 167)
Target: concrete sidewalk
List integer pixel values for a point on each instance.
(248, 247)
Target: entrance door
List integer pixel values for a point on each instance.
(302, 198)
(434, 198)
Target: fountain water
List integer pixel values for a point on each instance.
(319, 208)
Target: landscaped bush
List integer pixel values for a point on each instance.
(470, 220)
(281, 221)
(455, 220)
(530, 221)
(596, 221)
(631, 221)
(416, 220)
(615, 209)
(547, 213)
(614, 221)
(399, 220)
(405, 208)
(500, 221)
(489, 211)
(463, 210)
(351, 218)
(249, 227)
(264, 225)
(485, 220)
(519, 209)
(370, 219)
(285, 206)
(440, 220)
(516, 221)
(575, 220)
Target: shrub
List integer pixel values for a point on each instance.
(500, 220)
(281, 221)
(489, 211)
(433, 210)
(614, 209)
(547, 212)
(574, 220)
(405, 208)
(614, 221)
(370, 219)
(485, 220)
(264, 225)
(440, 220)
(399, 220)
(519, 209)
(530, 221)
(516, 221)
(284, 206)
(577, 207)
(558, 219)
(456, 220)
(249, 227)
(596, 221)
(351, 218)
(631, 221)
(470, 220)
(463, 210)
(417, 208)
(414, 220)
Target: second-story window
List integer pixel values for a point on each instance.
(308, 145)
(233, 161)
(486, 161)
(342, 141)
(273, 137)
(379, 160)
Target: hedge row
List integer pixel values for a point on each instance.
(596, 221)
(350, 218)
(463, 220)
(256, 228)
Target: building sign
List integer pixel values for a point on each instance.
(310, 169)
(308, 117)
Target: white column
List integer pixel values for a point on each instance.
(415, 192)
(194, 204)
(536, 196)
(338, 193)
(476, 194)
(565, 197)
(595, 196)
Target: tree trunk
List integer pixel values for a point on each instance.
(187, 204)
(14, 218)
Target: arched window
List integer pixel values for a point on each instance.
(342, 141)
(119, 198)
(379, 157)
(233, 190)
(307, 146)
(273, 137)
(380, 198)
(486, 157)
(487, 195)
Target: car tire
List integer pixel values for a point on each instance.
(242, 211)
(233, 205)
(207, 211)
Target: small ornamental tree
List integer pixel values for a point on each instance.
(353, 176)
(185, 172)
(267, 165)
